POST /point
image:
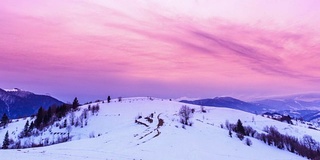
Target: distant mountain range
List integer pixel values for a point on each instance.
(306, 106)
(17, 103)
(228, 102)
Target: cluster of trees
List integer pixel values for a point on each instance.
(45, 118)
(48, 117)
(306, 147)
(27, 130)
(82, 120)
(241, 131)
(94, 109)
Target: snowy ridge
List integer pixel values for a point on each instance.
(12, 90)
(117, 136)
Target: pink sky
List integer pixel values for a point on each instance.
(195, 48)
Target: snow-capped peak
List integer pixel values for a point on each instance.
(13, 90)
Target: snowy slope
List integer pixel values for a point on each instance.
(117, 136)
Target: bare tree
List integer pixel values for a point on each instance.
(185, 114)
(69, 129)
(72, 117)
(81, 120)
(85, 113)
(227, 124)
(309, 142)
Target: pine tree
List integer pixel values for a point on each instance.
(109, 99)
(4, 120)
(240, 128)
(40, 116)
(49, 113)
(62, 110)
(93, 109)
(75, 103)
(26, 129)
(31, 127)
(6, 142)
(97, 108)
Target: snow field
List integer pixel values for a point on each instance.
(121, 138)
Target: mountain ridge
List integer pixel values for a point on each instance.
(18, 103)
(288, 105)
(228, 102)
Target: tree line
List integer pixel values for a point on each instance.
(46, 118)
(305, 147)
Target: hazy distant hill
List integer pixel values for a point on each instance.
(17, 103)
(306, 106)
(228, 102)
(289, 104)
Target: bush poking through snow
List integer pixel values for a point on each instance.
(240, 136)
(149, 119)
(160, 123)
(91, 135)
(248, 142)
(139, 116)
(203, 110)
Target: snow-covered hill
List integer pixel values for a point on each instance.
(112, 133)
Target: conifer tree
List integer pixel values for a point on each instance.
(31, 127)
(49, 113)
(75, 103)
(26, 129)
(109, 99)
(6, 142)
(40, 116)
(240, 128)
(4, 120)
